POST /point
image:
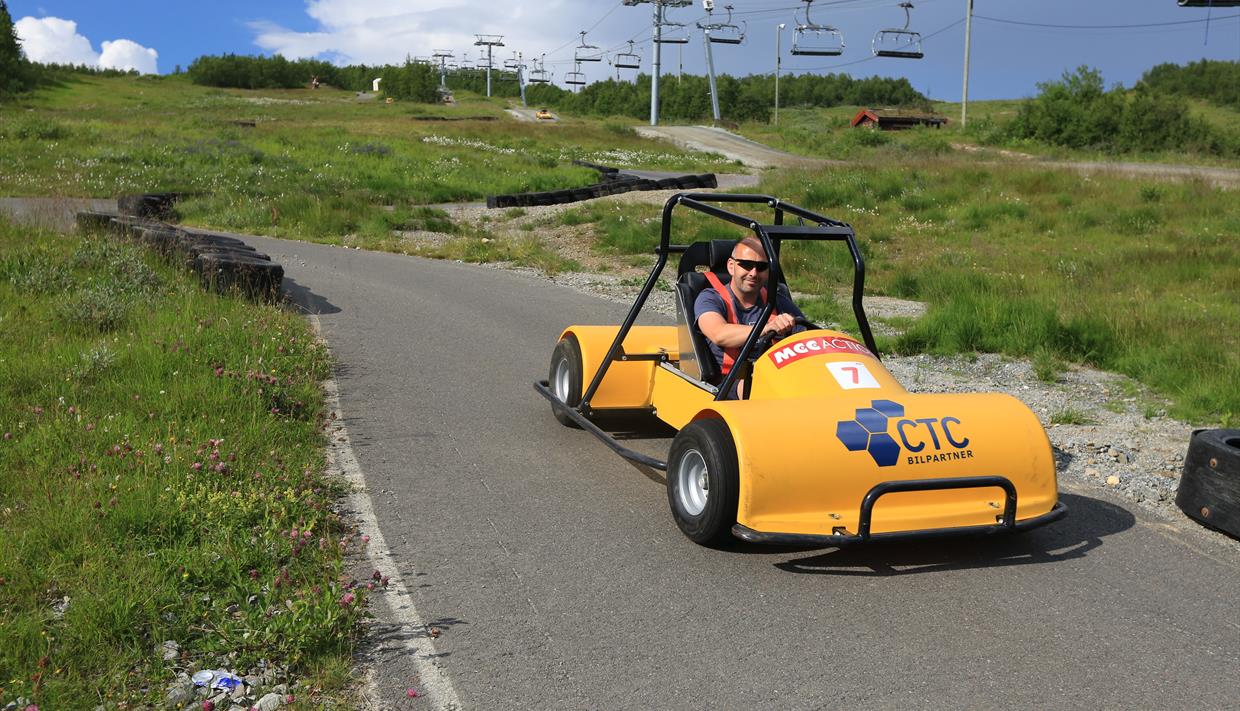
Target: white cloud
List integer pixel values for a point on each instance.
(52, 39)
(382, 31)
(128, 55)
(55, 40)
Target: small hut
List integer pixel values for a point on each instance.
(895, 119)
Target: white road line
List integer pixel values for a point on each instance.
(436, 686)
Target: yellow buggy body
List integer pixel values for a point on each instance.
(827, 448)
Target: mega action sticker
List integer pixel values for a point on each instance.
(813, 346)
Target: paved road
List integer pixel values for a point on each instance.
(561, 582)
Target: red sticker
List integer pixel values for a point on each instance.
(818, 345)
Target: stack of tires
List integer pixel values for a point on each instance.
(223, 264)
(1210, 483)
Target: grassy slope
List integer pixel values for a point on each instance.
(318, 163)
(159, 446)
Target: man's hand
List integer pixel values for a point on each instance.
(780, 323)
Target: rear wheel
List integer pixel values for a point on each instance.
(564, 378)
(703, 481)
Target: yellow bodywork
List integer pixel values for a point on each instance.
(825, 422)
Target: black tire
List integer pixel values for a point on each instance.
(704, 444)
(255, 278)
(564, 376)
(1209, 488)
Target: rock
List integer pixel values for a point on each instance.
(253, 681)
(169, 651)
(270, 702)
(281, 689)
(179, 695)
(1090, 471)
(1112, 480)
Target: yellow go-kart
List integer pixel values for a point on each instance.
(826, 448)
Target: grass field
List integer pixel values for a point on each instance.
(160, 479)
(316, 164)
(826, 133)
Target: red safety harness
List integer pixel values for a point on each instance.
(730, 354)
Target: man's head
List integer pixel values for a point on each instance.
(748, 267)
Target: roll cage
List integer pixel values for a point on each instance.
(771, 236)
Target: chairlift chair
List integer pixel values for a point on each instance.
(726, 32)
(899, 42)
(811, 39)
(575, 77)
(587, 52)
(627, 60)
(679, 36)
(539, 74)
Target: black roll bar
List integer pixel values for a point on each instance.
(771, 236)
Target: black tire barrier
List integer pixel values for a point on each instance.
(223, 263)
(153, 205)
(1209, 489)
(94, 221)
(256, 278)
(614, 182)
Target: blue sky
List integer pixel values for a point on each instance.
(1008, 59)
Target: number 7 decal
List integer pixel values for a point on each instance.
(852, 375)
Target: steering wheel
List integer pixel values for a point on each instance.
(766, 340)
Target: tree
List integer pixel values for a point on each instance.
(14, 70)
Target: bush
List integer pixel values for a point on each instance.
(1078, 112)
(1215, 81)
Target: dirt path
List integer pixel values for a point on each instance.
(731, 146)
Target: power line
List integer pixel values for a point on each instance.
(1105, 27)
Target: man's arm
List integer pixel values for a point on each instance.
(732, 335)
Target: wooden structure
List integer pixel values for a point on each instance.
(894, 119)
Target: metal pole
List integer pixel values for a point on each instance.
(488, 71)
(680, 65)
(710, 67)
(968, 37)
(779, 35)
(521, 78)
(654, 75)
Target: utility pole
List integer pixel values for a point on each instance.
(968, 37)
(660, 19)
(709, 7)
(521, 79)
(490, 42)
(779, 58)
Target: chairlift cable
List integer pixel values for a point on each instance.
(1103, 27)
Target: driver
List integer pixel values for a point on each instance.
(726, 314)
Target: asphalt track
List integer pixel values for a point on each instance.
(560, 582)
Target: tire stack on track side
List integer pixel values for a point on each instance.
(157, 206)
(222, 263)
(1210, 483)
(612, 181)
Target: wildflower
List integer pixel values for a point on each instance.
(347, 599)
(196, 466)
(8, 435)
(365, 539)
(412, 693)
(376, 575)
(208, 705)
(253, 573)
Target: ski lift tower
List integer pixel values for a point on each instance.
(442, 56)
(490, 42)
(728, 34)
(660, 19)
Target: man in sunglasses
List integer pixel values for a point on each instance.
(726, 313)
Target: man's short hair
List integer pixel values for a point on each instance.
(751, 242)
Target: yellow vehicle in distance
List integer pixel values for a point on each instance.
(543, 114)
(826, 448)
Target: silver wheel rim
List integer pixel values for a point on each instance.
(692, 482)
(563, 380)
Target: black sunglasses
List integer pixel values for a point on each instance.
(749, 264)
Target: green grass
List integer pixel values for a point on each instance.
(826, 133)
(1130, 276)
(317, 165)
(1070, 416)
(160, 447)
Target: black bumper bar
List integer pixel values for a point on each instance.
(841, 537)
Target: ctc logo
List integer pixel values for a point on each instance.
(914, 438)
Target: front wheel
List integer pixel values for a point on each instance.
(703, 481)
(564, 377)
